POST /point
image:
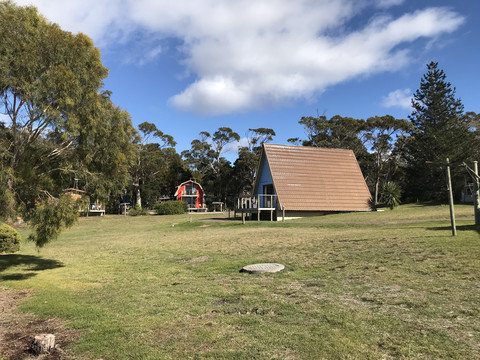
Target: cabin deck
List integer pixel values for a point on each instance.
(96, 212)
(256, 205)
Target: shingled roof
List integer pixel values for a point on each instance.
(316, 179)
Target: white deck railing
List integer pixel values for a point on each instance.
(262, 201)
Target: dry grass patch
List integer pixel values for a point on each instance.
(389, 285)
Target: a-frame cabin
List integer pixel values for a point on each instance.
(298, 181)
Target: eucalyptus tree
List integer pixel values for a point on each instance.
(149, 160)
(245, 167)
(207, 163)
(257, 137)
(58, 126)
(46, 76)
(205, 153)
(380, 134)
(337, 132)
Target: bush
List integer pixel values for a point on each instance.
(391, 195)
(172, 207)
(137, 211)
(9, 239)
(50, 217)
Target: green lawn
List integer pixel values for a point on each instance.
(380, 285)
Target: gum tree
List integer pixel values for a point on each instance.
(58, 125)
(380, 134)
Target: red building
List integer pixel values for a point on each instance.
(192, 193)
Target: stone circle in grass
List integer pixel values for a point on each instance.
(262, 268)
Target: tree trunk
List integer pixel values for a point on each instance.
(377, 177)
(138, 197)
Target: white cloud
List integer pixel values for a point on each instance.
(248, 54)
(98, 19)
(234, 146)
(399, 98)
(5, 119)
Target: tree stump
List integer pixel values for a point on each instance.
(43, 343)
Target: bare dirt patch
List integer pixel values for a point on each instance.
(18, 329)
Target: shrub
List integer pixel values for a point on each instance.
(9, 239)
(171, 207)
(50, 218)
(391, 195)
(137, 210)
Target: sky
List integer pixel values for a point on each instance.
(197, 65)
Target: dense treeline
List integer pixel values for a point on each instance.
(410, 153)
(61, 130)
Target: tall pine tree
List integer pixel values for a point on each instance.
(440, 131)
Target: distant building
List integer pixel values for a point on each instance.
(192, 193)
(297, 181)
(468, 192)
(94, 209)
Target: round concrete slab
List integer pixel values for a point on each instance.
(263, 268)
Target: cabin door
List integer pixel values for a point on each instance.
(268, 196)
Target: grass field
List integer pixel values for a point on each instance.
(380, 285)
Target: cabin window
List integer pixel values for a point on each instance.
(191, 202)
(190, 190)
(268, 189)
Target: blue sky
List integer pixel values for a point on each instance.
(196, 65)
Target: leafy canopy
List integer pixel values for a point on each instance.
(60, 127)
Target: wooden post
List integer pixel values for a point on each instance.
(450, 198)
(283, 213)
(243, 218)
(476, 194)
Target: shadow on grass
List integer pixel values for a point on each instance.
(459, 228)
(17, 276)
(31, 263)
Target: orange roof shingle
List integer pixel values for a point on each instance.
(317, 179)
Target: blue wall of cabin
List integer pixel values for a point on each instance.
(265, 177)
